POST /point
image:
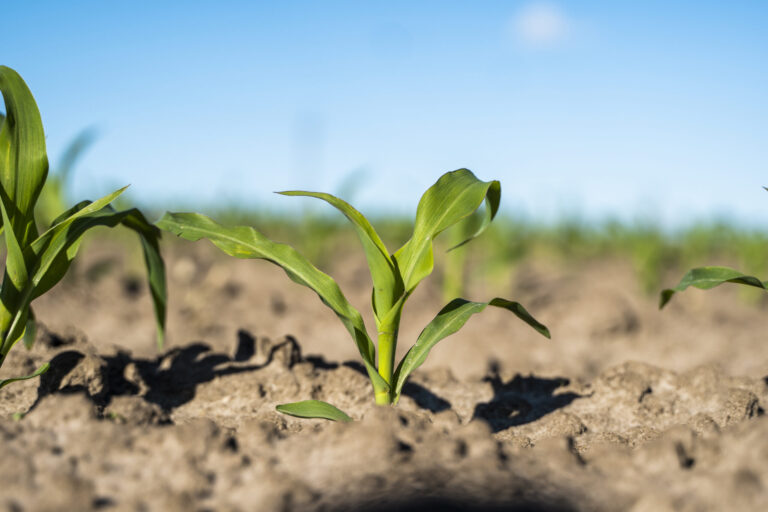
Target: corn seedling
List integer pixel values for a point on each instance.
(455, 196)
(706, 278)
(54, 197)
(34, 261)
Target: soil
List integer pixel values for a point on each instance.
(626, 408)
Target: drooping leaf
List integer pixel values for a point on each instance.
(455, 196)
(246, 242)
(313, 409)
(449, 320)
(709, 277)
(56, 248)
(387, 283)
(23, 159)
(40, 371)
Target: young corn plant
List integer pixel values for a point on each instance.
(54, 197)
(706, 278)
(34, 261)
(395, 276)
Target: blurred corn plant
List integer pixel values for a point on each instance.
(54, 197)
(34, 261)
(752, 248)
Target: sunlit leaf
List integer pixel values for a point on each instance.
(455, 196)
(313, 409)
(40, 371)
(58, 246)
(709, 277)
(246, 242)
(23, 160)
(387, 284)
(449, 320)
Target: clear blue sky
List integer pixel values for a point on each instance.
(650, 108)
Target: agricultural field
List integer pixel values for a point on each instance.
(625, 408)
(351, 256)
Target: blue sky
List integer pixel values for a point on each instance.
(650, 109)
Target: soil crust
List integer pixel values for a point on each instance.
(627, 408)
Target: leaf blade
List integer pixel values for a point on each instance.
(56, 248)
(44, 368)
(706, 278)
(15, 280)
(313, 409)
(23, 158)
(387, 283)
(448, 321)
(454, 196)
(246, 242)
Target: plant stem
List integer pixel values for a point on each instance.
(387, 347)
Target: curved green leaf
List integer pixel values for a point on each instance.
(709, 277)
(23, 160)
(14, 281)
(56, 248)
(40, 371)
(313, 409)
(246, 242)
(387, 283)
(455, 196)
(449, 320)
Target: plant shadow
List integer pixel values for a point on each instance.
(521, 400)
(168, 380)
(423, 397)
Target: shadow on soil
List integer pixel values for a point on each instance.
(453, 505)
(423, 397)
(170, 380)
(521, 400)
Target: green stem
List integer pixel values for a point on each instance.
(387, 348)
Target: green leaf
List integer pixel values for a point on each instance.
(449, 320)
(709, 277)
(73, 152)
(15, 281)
(387, 283)
(313, 409)
(40, 371)
(30, 332)
(15, 266)
(53, 198)
(56, 248)
(455, 196)
(55, 267)
(246, 242)
(23, 160)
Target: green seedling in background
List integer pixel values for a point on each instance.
(35, 262)
(706, 278)
(54, 197)
(455, 196)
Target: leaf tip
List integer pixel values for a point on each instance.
(665, 297)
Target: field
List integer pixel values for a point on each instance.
(626, 408)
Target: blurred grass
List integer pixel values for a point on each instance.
(658, 257)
